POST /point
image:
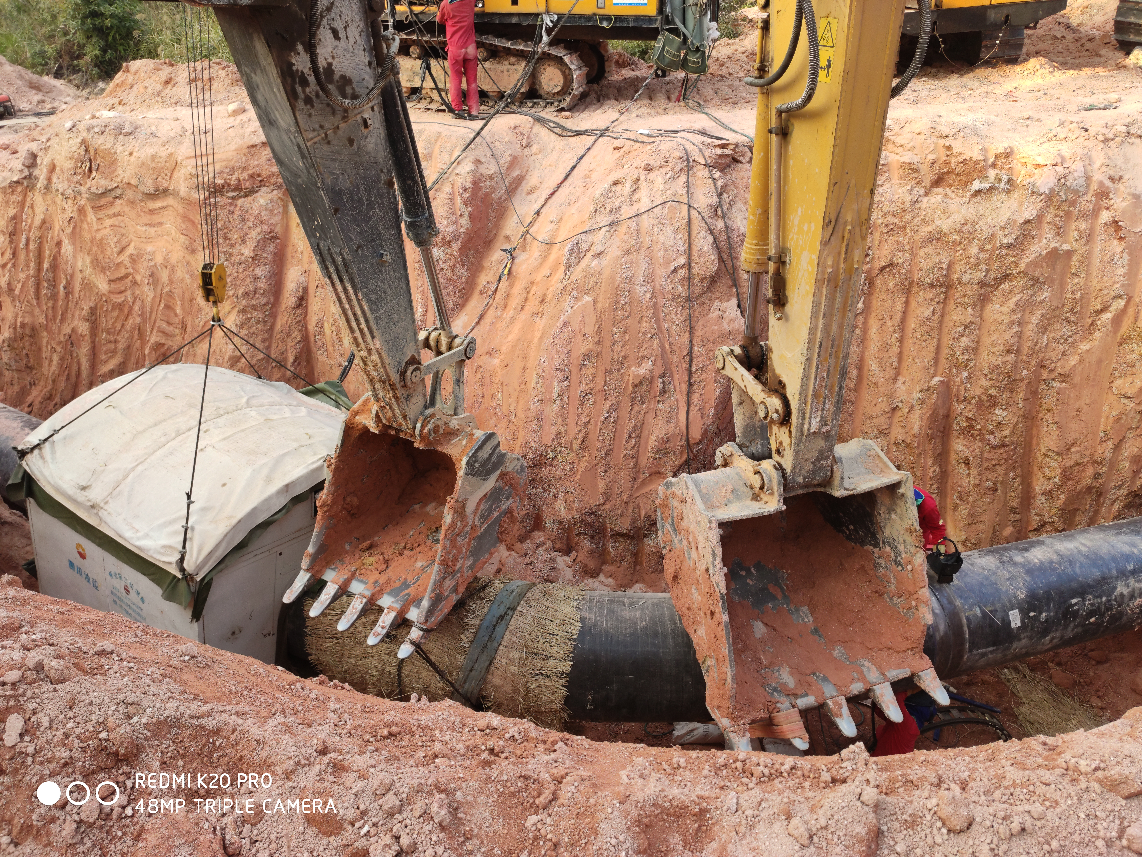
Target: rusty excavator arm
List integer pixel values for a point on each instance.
(797, 564)
(416, 493)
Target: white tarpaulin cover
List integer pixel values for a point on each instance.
(125, 466)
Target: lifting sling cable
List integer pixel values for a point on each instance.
(196, 33)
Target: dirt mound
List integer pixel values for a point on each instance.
(32, 93)
(102, 701)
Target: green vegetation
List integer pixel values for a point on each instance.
(641, 50)
(88, 40)
(729, 26)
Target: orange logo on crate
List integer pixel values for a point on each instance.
(79, 550)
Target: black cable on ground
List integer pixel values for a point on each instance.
(694, 104)
(721, 259)
(642, 139)
(510, 96)
(725, 225)
(440, 674)
(535, 215)
(921, 49)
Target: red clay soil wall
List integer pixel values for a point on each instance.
(996, 355)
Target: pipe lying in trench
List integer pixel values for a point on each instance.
(14, 427)
(633, 660)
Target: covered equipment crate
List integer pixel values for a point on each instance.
(107, 500)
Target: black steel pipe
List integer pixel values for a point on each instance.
(633, 661)
(14, 427)
(1014, 601)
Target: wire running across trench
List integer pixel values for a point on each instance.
(597, 134)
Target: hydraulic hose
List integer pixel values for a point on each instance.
(779, 72)
(806, 8)
(921, 49)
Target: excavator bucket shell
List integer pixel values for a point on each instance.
(407, 524)
(819, 599)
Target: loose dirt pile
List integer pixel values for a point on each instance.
(32, 93)
(95, 698)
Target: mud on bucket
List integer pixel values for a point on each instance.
(796, 601)
(406, 524)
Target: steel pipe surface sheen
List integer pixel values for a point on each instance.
(1013, 601)
(633, 660)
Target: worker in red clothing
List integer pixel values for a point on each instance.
(459, 20)
(893, 739)
(931, 523)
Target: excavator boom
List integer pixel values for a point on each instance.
(796, 564)
(416, 494)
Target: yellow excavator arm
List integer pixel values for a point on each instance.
(796, 564)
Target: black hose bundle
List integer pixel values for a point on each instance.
(804, 13)
(387, 69)
(921, 49)
(806, 9)
(779, 72)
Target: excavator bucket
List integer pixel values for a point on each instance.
(799, 601)
(407, 524)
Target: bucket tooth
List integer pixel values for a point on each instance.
(764, 578)
(383, 626)
(331, 591)
(885, 700)
(838, 709)
(395, 604)
(419, 516)
(409, 645)
(352, 613)
(299, 585)
(930, 683)
(785, 724)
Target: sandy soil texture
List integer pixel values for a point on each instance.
(97, 699)
(32, 93)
